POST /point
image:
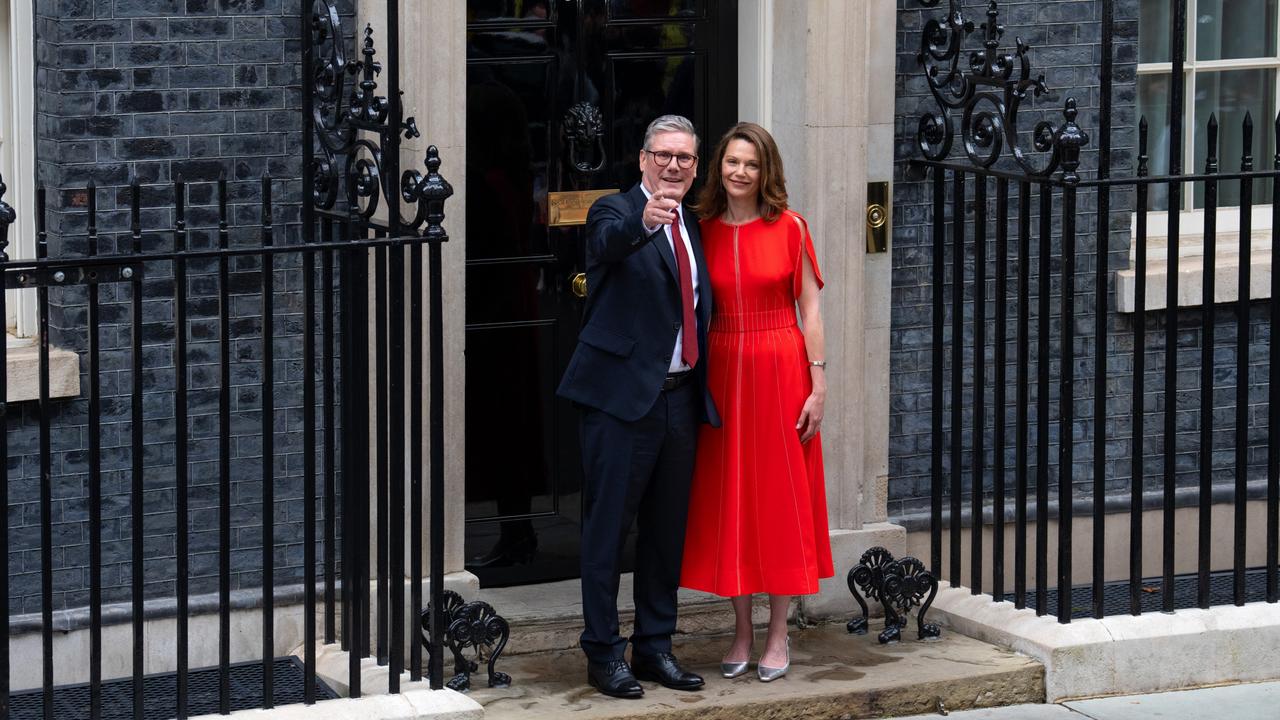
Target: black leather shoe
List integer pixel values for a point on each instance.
(663, 668)
(614, 679)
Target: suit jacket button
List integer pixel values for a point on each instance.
(675, 326)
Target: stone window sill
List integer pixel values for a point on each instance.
(1191, 260)
(23, 376)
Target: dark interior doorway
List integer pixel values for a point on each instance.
(558, 96)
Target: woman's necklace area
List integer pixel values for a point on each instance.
(729, 218)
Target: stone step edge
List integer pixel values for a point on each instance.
(1007, 687)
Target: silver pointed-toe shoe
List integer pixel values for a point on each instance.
(769, 674)
(733, 670)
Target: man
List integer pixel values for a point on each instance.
(639, 375)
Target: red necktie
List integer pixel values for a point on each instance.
(689, 349)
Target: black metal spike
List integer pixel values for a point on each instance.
(1247, 129)
(42, 235)
(1211, 162)
(180, 202)
(135, 213)
(1277, 158)
(266, 199)
(1142, 147)
(92, 192)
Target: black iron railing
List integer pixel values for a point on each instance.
(1038, 183)
(358, 210)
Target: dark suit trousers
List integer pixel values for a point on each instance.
(636, 471)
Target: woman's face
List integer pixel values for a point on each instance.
(740, 170)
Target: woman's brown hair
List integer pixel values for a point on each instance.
(712, 200)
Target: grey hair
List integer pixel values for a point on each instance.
(670, 123)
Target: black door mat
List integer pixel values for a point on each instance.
(160, 694)
(1115, 595)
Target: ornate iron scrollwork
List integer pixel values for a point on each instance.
(898, 585)
(986, 95)
(583, 128)
(353, 127)
(474, 625)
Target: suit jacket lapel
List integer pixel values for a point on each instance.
(699, 258)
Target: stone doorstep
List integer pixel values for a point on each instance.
(548, 616)
(834, 675)
(1124, 654)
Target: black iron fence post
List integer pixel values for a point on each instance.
(1242, 363)
(1207, 346)
(1069, 141)
(435, 190)
(1137, 484)
(1179, 47)
(7, 217)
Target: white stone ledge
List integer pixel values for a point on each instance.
(1191, 282)
(23, 372)
(1125, 654)
(416, 704)
(1191, 239)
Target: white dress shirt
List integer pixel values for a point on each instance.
(677, 359)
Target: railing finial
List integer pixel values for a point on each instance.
(1070, 138)
(434, 190)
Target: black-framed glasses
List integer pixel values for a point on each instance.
(664, 158)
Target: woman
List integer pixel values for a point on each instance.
(757, 512)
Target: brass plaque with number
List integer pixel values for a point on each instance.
(570, 207)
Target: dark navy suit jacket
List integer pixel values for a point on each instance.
(632, 312)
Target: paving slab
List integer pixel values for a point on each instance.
(1251, 701)
(1011, 712)
(834, 676)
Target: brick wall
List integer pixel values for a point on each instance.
(157, 90)
(1065, 37)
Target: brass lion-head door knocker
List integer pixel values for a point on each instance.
(583, 128)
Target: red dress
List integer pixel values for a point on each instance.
(758, 508)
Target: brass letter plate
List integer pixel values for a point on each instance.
(877, 217)
(570, 207)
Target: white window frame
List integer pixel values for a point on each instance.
(1190, 68)
(1190, 245)
(17, 148)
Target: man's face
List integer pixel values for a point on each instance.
(672, 181)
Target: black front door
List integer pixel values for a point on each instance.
(559, 93)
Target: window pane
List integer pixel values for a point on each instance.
(500, 10)
(1154, 21)
(655, 9)
(1230, 95)
(1153, 104)
(1228, 29)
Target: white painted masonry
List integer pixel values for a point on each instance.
(835, 131)
(1126, 654)
(415, 704)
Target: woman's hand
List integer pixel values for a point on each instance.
(811, 415)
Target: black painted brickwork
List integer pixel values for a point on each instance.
(1065, 37)
(156, 90)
